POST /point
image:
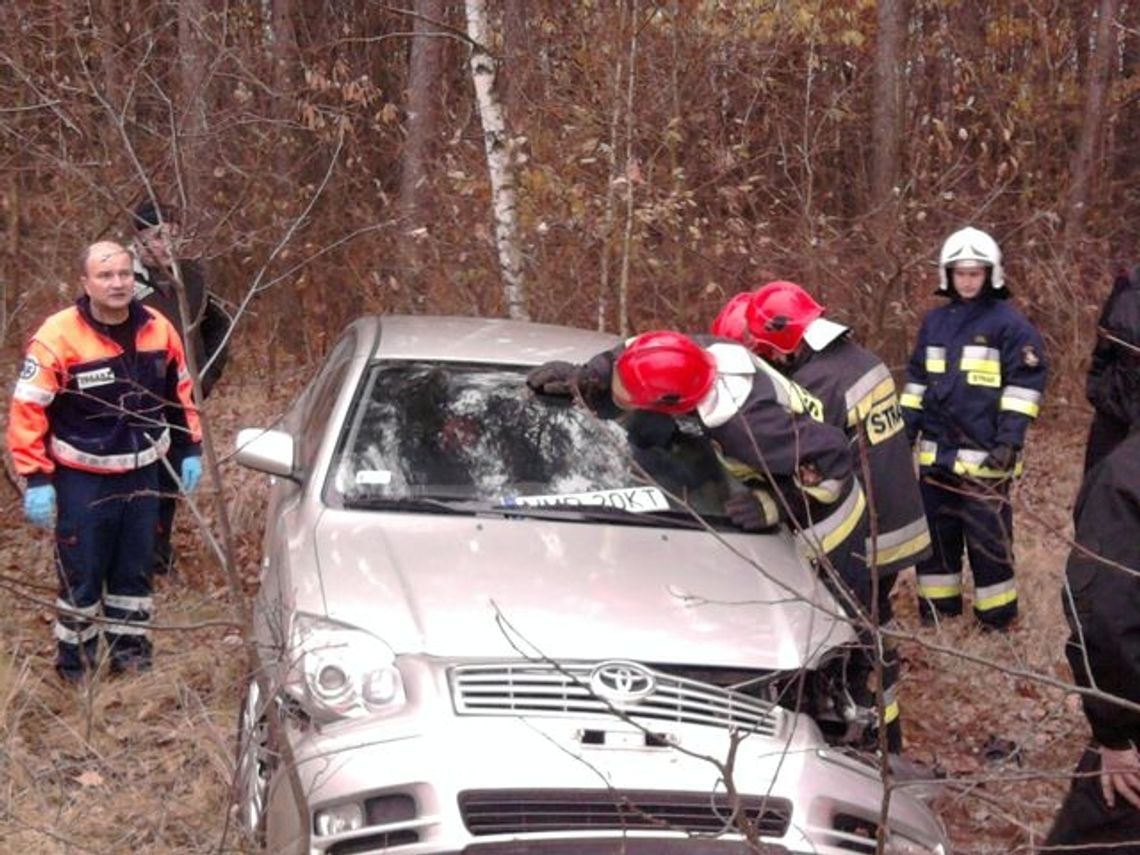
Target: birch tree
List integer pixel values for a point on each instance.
(499, 163)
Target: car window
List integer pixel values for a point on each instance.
(446, 431)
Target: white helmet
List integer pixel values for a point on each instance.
(970, 244)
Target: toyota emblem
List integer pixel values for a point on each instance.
(621, 683)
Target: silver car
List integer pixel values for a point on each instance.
(491, 622)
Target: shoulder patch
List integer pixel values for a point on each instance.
(29, 368)
(1029, 356)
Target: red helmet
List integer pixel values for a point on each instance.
(663, 371)
(732, 320)
(778, 316)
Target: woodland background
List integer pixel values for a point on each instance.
(331, 157)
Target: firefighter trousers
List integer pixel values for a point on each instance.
(975, 517)
(104, 547)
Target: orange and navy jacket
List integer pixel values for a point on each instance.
(84, 402)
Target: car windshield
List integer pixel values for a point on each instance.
(467, 438)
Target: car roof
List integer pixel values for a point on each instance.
(484, 340)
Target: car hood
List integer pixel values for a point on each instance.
(467, 587)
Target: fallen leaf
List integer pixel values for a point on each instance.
(90, 778)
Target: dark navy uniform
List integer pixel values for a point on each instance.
(974, 383)
(1101, 600)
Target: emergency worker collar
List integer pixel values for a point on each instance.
(136, 315)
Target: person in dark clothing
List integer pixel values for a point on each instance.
(974, 384)
(157, 277)
(1113, 383)
(1101, 599)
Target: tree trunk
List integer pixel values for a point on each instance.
(193, 58)
(499, 162)
(423, 112)
(885, 126)
(1082, 165)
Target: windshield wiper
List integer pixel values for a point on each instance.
(421, 504)
(601, 513)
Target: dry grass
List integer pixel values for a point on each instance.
(144, 764)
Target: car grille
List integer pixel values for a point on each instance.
(541, 811)
(536, 689)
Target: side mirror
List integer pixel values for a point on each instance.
(269, 451)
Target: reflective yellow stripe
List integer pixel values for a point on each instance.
(913, 402)
(936, 592)
(1015, 405)
(840, 534)
(936, 366)
(890, 712)
(927, 451)
(890, 554)
(828, 533)
(986, 366)
(995, 596)
(977, 470)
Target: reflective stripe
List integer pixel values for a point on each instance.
(825, 491)
(969, 462)
(66, 453)
(78, 611)
(936, 360)
(1018, 399)
(33, 394)
(183, 374)
(995, 596)
(927, 452)
(128, 604)
(71, 636)
(939, 586)
(978, 358)
(832, 530)
(125, 627)
(768, 506)
(912, 396)
(900, 543)
(874, 386)
(890, 712)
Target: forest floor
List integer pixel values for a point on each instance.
(145, 763)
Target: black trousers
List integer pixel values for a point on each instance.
(1085, 819)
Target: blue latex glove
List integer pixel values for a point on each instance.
(39, 505)
(191, 473)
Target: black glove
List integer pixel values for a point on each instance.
(552, 378)
(1001, 457)
(754, 510)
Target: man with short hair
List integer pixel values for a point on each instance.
(103, 395)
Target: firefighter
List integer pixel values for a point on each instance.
(1101, 600)
(798, 470)
(1113, 383)
(850, 388)
(103, 395)
(973, 385)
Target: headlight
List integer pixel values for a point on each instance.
(342, 672)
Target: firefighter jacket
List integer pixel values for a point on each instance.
(765, 437)
(86, 402)
(1113, 383)
(974, 382)
(849, 387)
(1102, 593)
